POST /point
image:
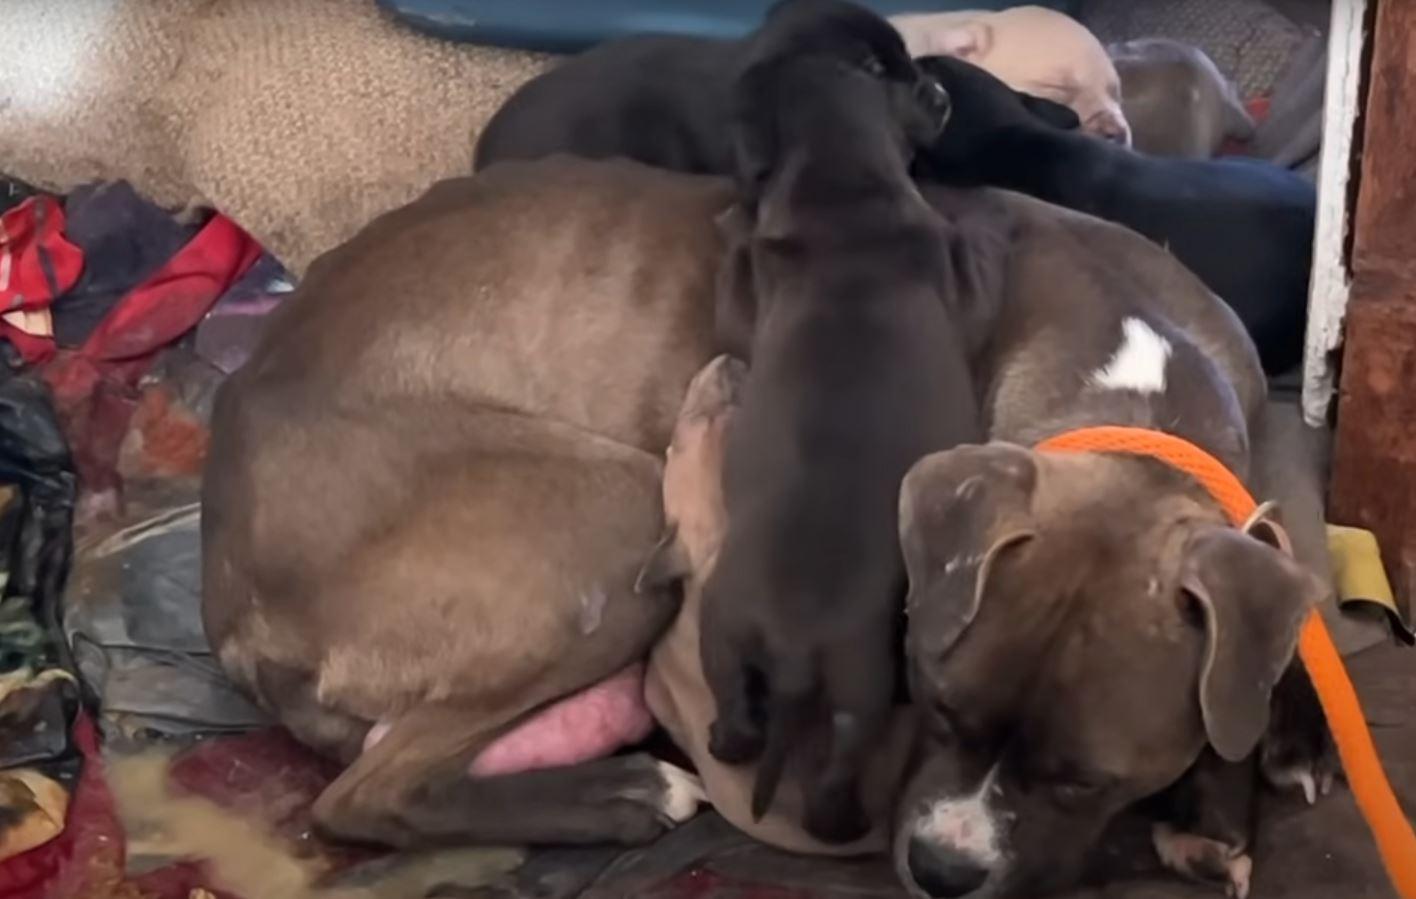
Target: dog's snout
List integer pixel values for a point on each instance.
(1111, 128)
(941, 872)
(932, 95)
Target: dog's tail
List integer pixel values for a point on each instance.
(787, 712)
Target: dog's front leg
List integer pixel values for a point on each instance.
(1210, 824)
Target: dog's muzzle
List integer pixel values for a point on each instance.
(934, 100)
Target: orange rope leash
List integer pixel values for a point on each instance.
(1389, 825)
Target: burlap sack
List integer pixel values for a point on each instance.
(300, 119)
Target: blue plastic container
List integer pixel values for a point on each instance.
(565, 26)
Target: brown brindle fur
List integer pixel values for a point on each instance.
(448, 439)
(441, 456)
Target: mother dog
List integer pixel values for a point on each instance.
(430, 490)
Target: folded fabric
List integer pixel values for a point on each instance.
(95, 384)
(124, 239)
(229, 333)
(133, 616)
(1361, 580)
(37, 264)
(32, 809)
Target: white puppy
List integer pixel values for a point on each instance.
(1033, 49)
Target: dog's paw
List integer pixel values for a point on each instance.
(682, 795)
(1204, 860)
(835, 816)
(734, 744)
(1298, 752)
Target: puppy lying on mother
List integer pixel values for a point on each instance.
(857, 371)
(1243, 225)
(666, 100)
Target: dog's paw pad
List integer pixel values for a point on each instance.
(683, 793)
(1205, 860)
(1241, 870)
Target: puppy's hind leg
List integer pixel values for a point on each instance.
(859, 688)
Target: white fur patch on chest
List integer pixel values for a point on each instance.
(966, 824)
(1138, 363)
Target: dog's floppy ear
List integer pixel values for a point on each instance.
(1056, 114)
(959, 510)
(668, 565)
(1253, 598)
(969, 40)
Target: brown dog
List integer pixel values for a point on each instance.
(1085, 628)
(430, 491)
(446, 445)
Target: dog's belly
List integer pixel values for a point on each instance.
(583, 726)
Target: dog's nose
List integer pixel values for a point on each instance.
(932, 95)
(1109, 129)
(942, 872)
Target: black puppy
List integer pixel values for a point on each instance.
(857, 371)
(663, 100)
(1243, 226)
(660, 99)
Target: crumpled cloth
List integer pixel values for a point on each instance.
(37, 264)
(95, 385)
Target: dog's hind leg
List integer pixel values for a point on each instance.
(412, 789)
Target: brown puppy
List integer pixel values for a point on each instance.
(857, 370)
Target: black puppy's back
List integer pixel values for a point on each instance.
(857, 371)
(658, 99)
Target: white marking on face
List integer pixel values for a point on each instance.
(966, 824)
(1138, 363)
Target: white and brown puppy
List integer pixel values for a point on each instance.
(1032, 49)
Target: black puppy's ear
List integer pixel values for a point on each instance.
(1053, 113)
(754, 132)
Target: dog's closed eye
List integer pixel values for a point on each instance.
(873, 66)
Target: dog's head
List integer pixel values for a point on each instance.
(814, 59)
(983, 108)
(1033, 49)
(1081, 627)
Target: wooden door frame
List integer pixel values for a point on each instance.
(1373, 481)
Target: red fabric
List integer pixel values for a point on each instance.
(86, 860)
(95, 385)
(36, 265)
